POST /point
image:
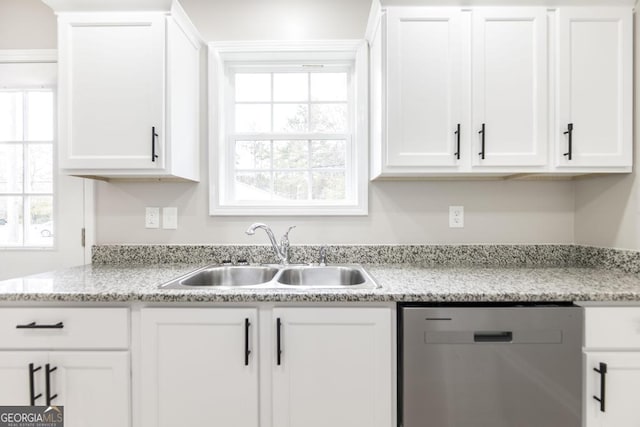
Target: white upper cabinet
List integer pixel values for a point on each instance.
(128, 98)
(595, 65)
(510, 86)
(489, 91)
(427, 87)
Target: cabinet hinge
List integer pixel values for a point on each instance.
(83, 237)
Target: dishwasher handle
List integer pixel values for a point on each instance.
(493, 336)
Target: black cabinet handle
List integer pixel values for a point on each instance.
(482, 132)
(569, 133)
(603, 382)
(34, 325)
(457, 133)
(278, 341)
(32, 396)
(247, 352)
(154, 135)
(48, 370)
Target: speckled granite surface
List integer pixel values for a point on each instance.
(399, 282)
(434, 255)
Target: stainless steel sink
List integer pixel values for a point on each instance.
(225, 276)
(352, 276)
(324, 277)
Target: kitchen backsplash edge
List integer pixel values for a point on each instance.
(429, 255)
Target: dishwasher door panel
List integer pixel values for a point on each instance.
(491, 367)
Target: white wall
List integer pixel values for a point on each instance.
(607, 211)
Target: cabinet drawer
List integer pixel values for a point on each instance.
(64, 328)
(612, 327)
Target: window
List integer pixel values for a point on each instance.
(287, 140)
(26, 168)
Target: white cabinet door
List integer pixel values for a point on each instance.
(622, 384)
(335, 367)
(112, 90)
(93, 387)
(15, 377)
(510, 86)
(196, 369)
(595, 86)
(427, 86)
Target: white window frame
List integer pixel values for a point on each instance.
(24, 195)
(224, 59)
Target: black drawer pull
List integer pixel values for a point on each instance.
(278, 341)
(483, 133)
(34, 325)
(502, 336)
(569, 133)
(457, 133)
(154, 135)
(32, 396)
(48, 370)
(247, 352)
(603, 384)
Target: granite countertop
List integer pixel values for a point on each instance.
(398, 282)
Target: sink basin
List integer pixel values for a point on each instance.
(226, 276)
(322, 277)
(270, 276)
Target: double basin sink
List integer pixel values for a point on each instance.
(351, 276)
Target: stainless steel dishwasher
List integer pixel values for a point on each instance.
(490, 366)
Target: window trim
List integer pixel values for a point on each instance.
(25, 144)
(221, 56)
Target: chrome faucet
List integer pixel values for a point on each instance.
(322, 261)
(281, 250)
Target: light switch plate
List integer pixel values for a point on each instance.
(170, 218)
(456, 216)
(152, 218)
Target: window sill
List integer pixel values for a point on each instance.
(235, 210)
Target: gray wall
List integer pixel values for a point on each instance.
(26, 24)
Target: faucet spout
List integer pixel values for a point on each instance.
(282, 250)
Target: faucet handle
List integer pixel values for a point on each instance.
(322, 261)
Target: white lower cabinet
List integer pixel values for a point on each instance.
(334, 367)
(616, 383)
(195, 367)
(611, 366)
(72, 357)
(320, 366)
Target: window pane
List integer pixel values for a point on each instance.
(11, 114)
(253, 186)
(10, 221)
(329, 86)
(253, 154)
(291, 87)
(290, 118)
(328, 154)
(290, 154)
(40, 116)
(40, 169)
(253, 87)
(329, 118)
(253, 118)
(328, 186)
(40, 222)
(291, 185)
(11, 165)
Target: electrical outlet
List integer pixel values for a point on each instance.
(456, 216)
(170, 218)
(152, 218)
